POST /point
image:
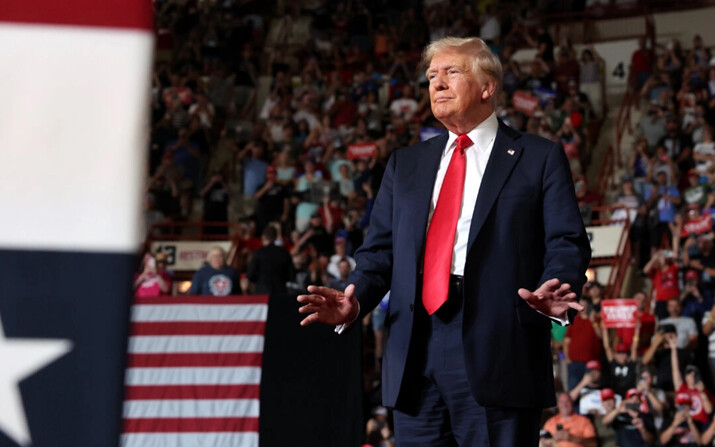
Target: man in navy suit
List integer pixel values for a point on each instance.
(467, 361)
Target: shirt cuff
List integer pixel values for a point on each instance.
(339, 329)
(561, 320)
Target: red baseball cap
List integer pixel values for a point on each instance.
(691, 274)
(632, 392)
(683, 399)
(593, 364)
(607, 393)
(621, 347)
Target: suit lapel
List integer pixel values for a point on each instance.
(424, 174)
(502, 160)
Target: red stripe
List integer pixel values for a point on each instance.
(186, 425)
(198, 328)
(135, 14)
(233, 299)
(153, 392)
(213, 359)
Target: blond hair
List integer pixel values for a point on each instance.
(484, 61)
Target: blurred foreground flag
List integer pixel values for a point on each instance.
(74, 83)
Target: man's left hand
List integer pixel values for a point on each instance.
(552, 298)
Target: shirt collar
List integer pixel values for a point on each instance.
(482, 136)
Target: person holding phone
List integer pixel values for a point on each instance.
(633, 427)
(682, 430)
(569, 429)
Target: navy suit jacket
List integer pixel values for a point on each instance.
(526, 229)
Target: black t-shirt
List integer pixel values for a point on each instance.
(622, 377)
(627, 435)
(270, 205)
(216, 204)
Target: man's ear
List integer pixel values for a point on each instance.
(488, 90)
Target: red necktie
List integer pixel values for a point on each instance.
(442, 230)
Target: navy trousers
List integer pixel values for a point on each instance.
(436, 407)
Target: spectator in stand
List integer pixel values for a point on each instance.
(652, 125)
(695, 303)
(569, 429)
(565, 70)
(204, 110)
(271, 266)
(340, 281)
(704, 152)
(185, 154)
(697, 191)
(678, 145)
(216, 196)
(587, 394)
(666, 200)
(701, 406)
(708, 329)
(636, 212)
(150, 282)
(591, 80)
(254, 167)
(215, 277)
(315, 238)
(633, 427)
(341, 252)
(644, 328)
(305, 207)
(639, 163)
(405, 106)
(653, 400)
(272, 201)
(686, 330)
(659, 353)
(606, 434)
(699, 255)
(682, 430)
(582, 344)
(621, 364)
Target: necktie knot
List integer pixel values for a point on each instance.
(463, 142)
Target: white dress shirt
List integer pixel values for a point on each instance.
(477, 156)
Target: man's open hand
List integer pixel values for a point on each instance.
(552, 298)
(329, 306)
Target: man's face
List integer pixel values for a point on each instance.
(673, 308)
(456, 92)
(344, 268)
(565, 405)
(217, 259)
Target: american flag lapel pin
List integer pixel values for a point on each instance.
(510, 151)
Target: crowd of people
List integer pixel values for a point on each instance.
(284, 124)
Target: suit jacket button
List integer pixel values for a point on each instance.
(412, 307)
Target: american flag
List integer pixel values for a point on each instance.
(194, 371)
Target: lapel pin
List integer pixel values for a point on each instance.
(510, 151)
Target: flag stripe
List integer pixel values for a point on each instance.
(191, 359)
(198, 328)
(191, 408)
(245, 439)
(112, 13)
(200, 312)
(195, 344)
(199, 376)
(183, 425)
(142, 392)
(203, 300)
(63, 90)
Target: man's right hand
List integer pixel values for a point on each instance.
(329, 306)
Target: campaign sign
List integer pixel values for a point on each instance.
(619, 313)
(524, 102)
(362, 150)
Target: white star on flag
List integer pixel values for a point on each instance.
(20, 358)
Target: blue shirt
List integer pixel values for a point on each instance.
(254, 175)
(666, 209)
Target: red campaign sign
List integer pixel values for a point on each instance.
(619, 313)
(362, 150)
(524, 102)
